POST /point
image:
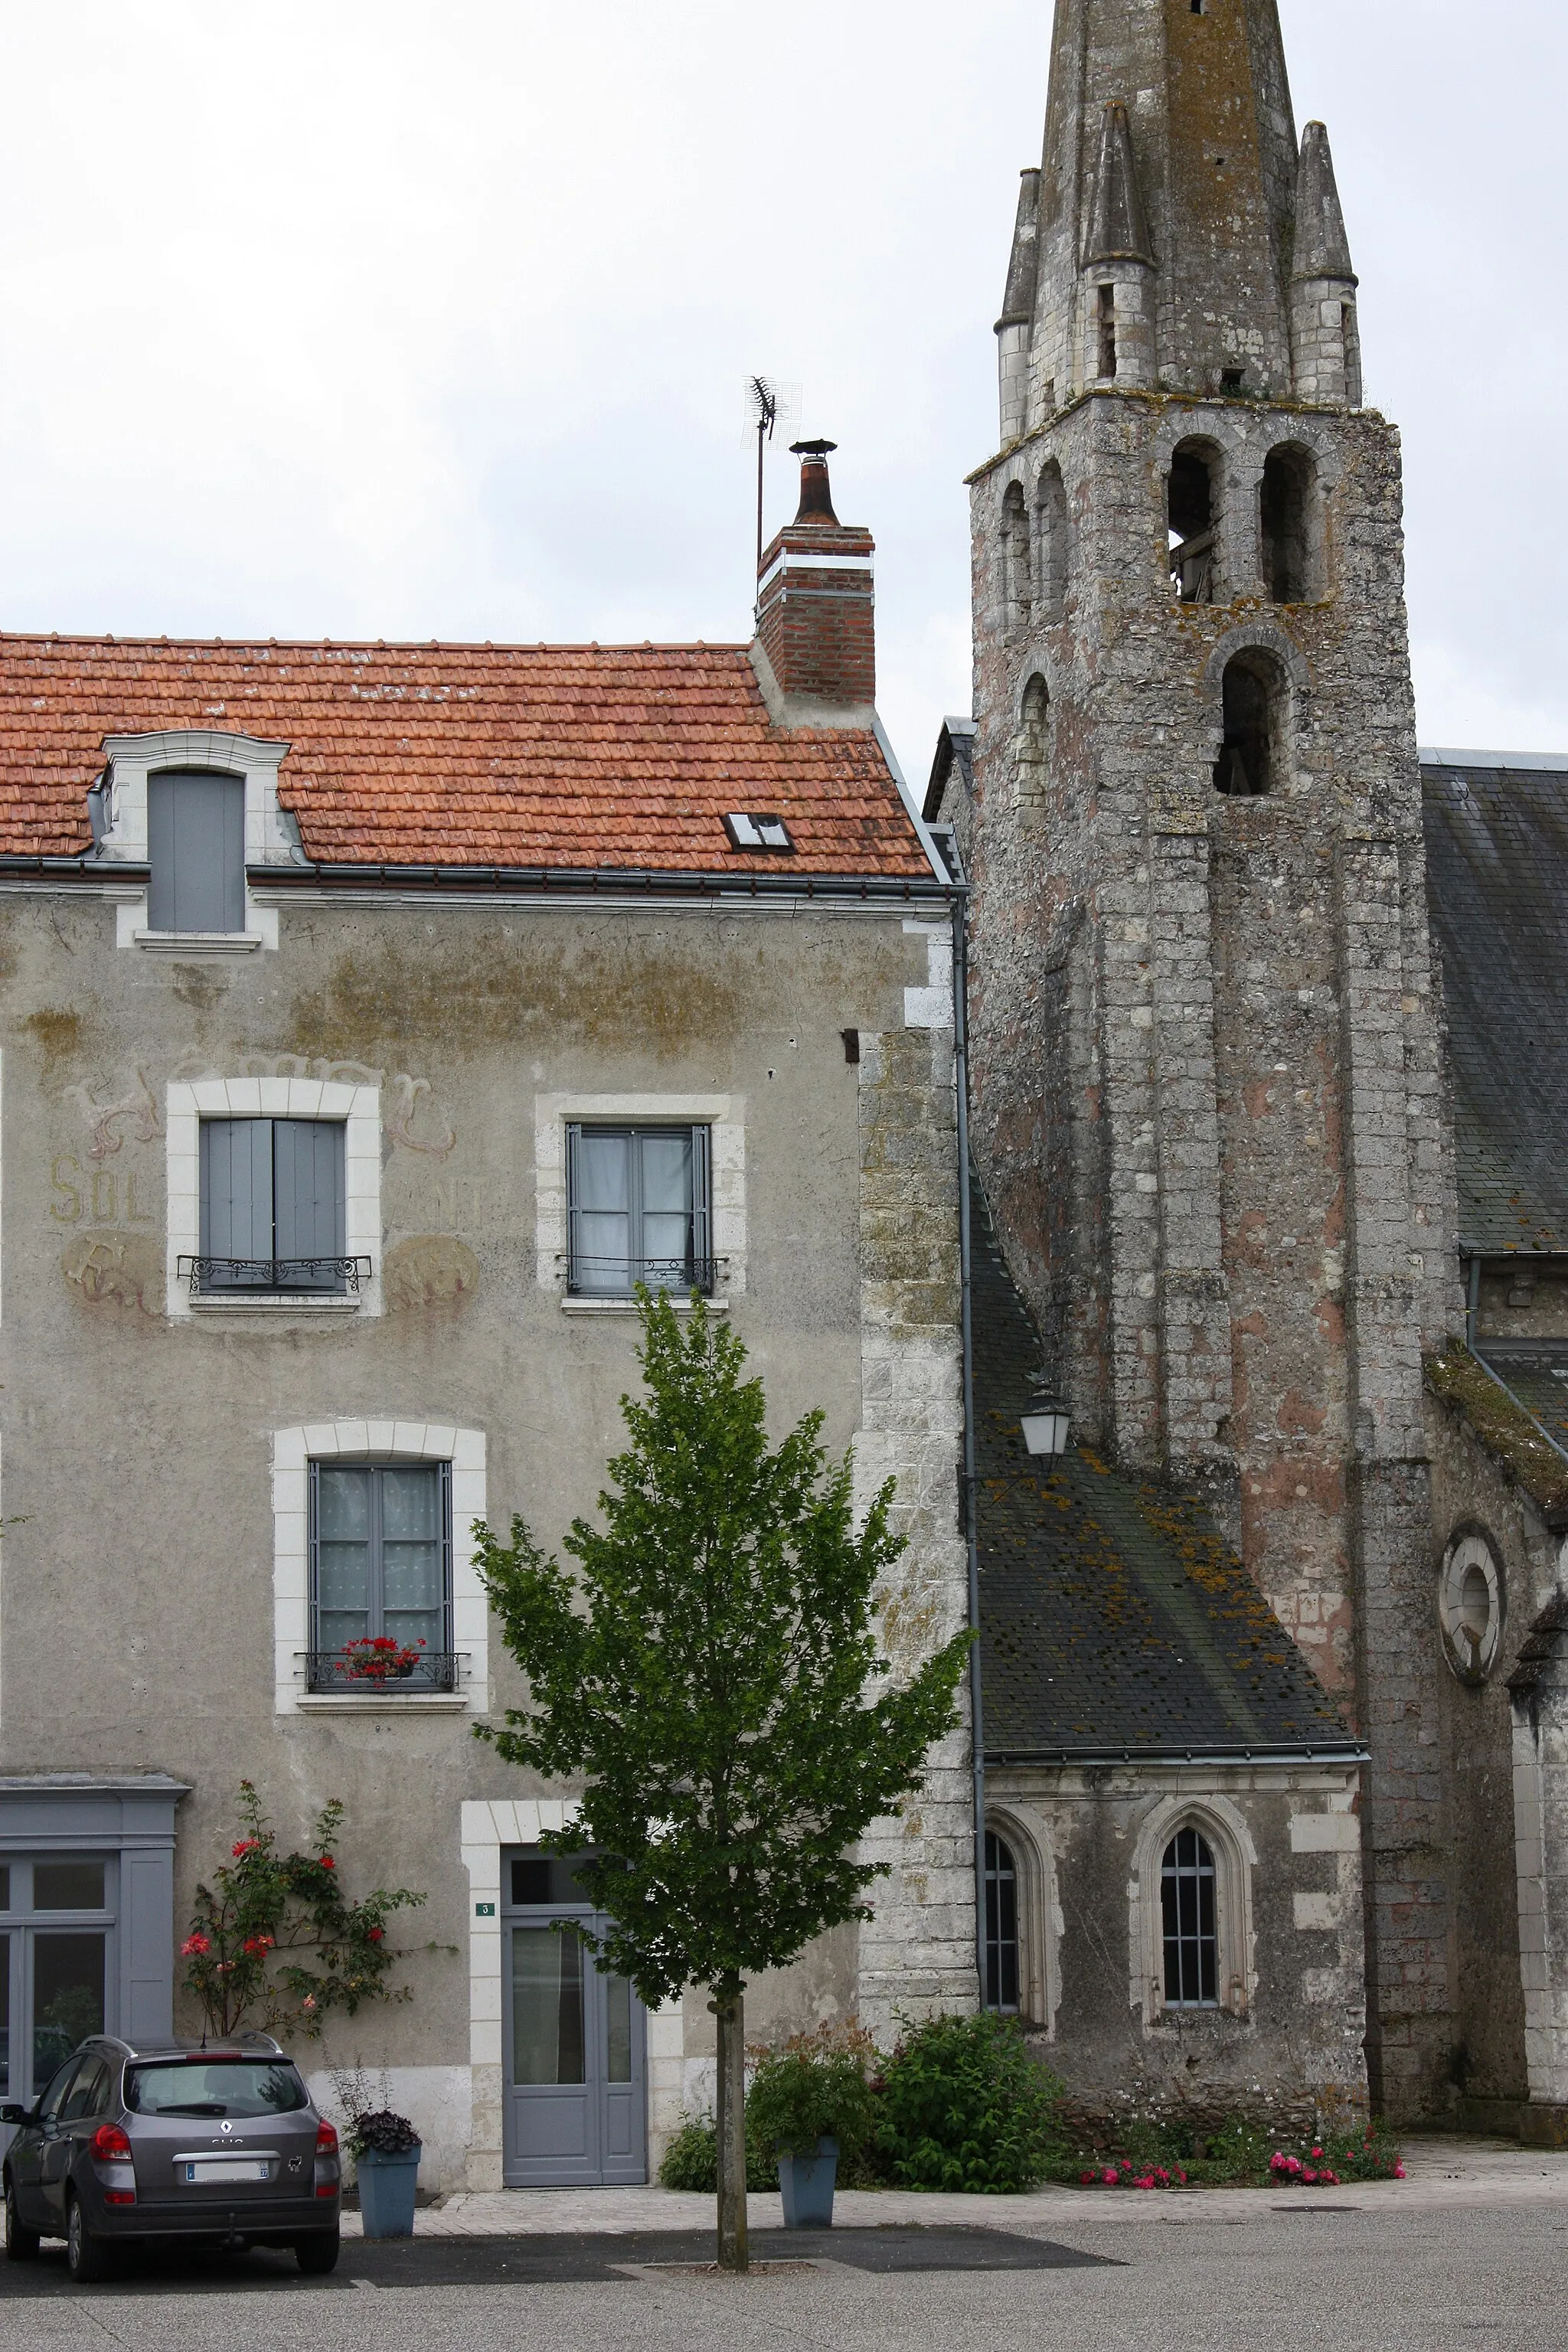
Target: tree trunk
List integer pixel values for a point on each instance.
(730, 2011)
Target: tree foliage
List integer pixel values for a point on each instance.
(278, 1943)
(711, 1675)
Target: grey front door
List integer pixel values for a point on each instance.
(574, 2042)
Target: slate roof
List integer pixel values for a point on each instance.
(521, 756)
(1115, 1622)
(1496, 878)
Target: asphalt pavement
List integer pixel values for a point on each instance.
(1158, 2277)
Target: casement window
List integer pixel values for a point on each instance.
(272, 1207)
(637, 1201)
(1189, 1924)
(1002, 1950)
(195, 849)
(381, 1577)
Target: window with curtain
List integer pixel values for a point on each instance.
(196, 851)
(381, 1577)
(272, 1212)
(637, 1199)
(1191, 1933)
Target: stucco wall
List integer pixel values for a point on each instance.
(137, 1616)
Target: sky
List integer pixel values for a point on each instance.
(363, 319)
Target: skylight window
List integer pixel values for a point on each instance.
(753, 832)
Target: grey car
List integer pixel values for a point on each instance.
(133, 2145)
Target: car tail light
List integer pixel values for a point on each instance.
(120, 2197)
(110, 2146)
(326, 2139)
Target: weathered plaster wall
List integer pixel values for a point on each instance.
(1287, 2036)
(137, 1601)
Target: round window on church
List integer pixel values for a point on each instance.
(1470, 1606)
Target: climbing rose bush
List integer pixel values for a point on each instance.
(275, 1940)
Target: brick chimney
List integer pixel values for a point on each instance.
(816, 599)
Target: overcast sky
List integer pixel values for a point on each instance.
(364, 319)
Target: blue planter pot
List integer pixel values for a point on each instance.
(806, 2184)
(386, 2186)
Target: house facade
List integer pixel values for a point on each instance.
(373, 1018)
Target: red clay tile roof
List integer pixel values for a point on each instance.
(462, 755)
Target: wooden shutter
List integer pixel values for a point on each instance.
(236, 1193)
(195, 844)
(308, 1194)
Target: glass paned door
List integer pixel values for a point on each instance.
(67, 1996)
(574, 2049)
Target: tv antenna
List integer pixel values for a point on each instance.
(773, 404)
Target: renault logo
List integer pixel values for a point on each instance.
(225, 2127)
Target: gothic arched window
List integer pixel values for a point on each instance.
(1003, 1973)
(1288, 501)
(1051, 541)
(1190, 1922)
(1016, 562)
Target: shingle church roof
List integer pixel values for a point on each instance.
(517, 756)
(1496, 878)
(1114, 1620)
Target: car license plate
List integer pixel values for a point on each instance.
(225, 2167)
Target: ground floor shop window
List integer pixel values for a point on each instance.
(56, 1928)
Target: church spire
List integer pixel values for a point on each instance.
(1170, 150)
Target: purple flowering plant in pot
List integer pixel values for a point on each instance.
(386, 2149)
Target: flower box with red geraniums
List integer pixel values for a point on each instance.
(377, 1658)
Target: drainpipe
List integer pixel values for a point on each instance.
(976, 1708)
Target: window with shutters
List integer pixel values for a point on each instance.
(195, 850)
(273, 1208)
(638, 1206)
(381, 1577)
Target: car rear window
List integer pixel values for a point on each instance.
(216, 2086)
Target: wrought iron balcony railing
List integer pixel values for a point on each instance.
(230, 1277)
(334, 1670)
(617, 1277)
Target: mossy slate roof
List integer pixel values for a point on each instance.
(1114, 1619)
(1497, 875)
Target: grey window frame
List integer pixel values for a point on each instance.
(437, 1671)
(1194, 1945)
(1004, 1926)
(23, 1920)
(328, 1271)
(699, 1258)
(195, 853)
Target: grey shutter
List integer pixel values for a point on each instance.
(308, 1190)
(237, 1199)
(195, 844)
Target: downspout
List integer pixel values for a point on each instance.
(976, 1707)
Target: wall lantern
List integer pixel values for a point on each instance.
(1045, 1426)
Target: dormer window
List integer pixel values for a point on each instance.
(195, 850)
(765, 833)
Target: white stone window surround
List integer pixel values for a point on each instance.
(488, 1824)
(1028, 1839)
(1229, 1839)
(723, 1115)
(293, 1451)
(271, 837)
(358, 1107)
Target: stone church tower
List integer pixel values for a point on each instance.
(1206, 1050)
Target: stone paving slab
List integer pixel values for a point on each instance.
(1442, 2172)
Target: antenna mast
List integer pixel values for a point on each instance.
(765, 402)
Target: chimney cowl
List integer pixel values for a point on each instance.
(815, 491)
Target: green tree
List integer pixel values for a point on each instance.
(276, 1936)
(709, 1676)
